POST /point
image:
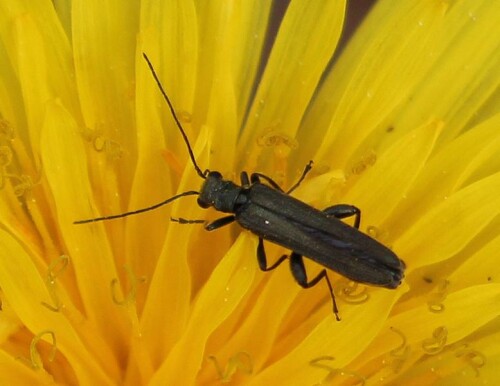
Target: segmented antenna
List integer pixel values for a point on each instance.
(190, 151)
(177, 122)
(188, 193)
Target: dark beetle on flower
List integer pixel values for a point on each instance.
(272, 214)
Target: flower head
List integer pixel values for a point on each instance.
(403, 125)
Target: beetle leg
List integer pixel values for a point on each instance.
(181, 220)
(219, 223)
(255, 178)
(262, 259)
(307, 169)
(244, 180)
(300, 275)
(344, 211)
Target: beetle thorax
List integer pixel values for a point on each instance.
(219, 193)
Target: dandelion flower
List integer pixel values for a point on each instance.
(403, 124)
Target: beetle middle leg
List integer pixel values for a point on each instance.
(262, 258)
(299, 273)
(255, 177)
(343, 211)
(307, 169)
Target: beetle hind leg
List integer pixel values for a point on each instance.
(300, 275)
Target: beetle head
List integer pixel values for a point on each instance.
(219, 193)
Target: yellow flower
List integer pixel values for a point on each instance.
(403, 124)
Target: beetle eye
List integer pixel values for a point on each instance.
(215, 175)
(204, 204)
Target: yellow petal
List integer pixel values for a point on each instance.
(427, 333)
(445, 173)
(227, 286)
(479, 268)
(65, 168)
(452, 224)
(386, 84)
(26, 300)
(385, 184)
(13, 368)
(330, 338)
(292, 71)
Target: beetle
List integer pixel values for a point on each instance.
(273, 215)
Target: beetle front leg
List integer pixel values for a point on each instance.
(185, 221)
(343, 211)
(300, 275)
(219, 223)
(245, 182)
(262, 258)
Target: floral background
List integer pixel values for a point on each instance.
(403, 122)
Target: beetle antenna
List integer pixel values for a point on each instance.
(188, 193)
(172, 110)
